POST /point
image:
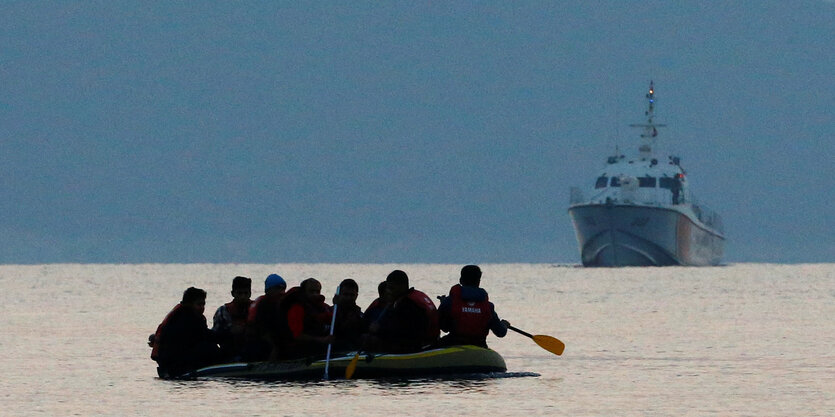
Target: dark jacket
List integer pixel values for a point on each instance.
(373, 312)
(262, 329)
(229, 327)
(348, 328)
(408, 326)
(185, 343)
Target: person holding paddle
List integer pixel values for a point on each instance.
(467, 314)
(304, 320)
(348, 323)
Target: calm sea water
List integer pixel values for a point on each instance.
(738, 340)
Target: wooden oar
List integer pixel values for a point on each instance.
(551, 344)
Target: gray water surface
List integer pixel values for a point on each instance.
(737, 340)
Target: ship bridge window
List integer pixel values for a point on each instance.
(646, 182)
(615, 182)
(665, 182)
(601, 182)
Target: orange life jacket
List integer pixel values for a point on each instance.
(316, 315)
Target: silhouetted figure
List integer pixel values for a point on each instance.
(229, 321)
(183, 341)
(408, 324)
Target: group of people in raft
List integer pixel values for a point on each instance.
(296, 323)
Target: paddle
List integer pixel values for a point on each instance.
(333, 322)
(551, 344)
(352, 366)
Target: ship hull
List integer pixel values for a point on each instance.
(630, 235)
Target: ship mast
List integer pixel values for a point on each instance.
(650, 127)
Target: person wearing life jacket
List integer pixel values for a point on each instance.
(262, 329)
(349, 325)
(229, 322)
(467, 314)
(408, 324)
(376, 308)
(304, 319)
(183, 341)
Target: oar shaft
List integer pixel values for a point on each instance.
(522, 332)
(333, 323)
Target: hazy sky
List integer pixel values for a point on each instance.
(218, 131)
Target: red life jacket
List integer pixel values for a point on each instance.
(158, 334)
(262, 302)
(238, 312)
(470, 319)
(433, 331)
(374, 304)
(253, 309)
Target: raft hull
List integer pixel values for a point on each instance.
(442, 361)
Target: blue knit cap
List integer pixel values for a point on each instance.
(272, 281)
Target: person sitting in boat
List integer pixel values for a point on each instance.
(183, 341)
(408, 324)
(373, 311)
(349, 325)
(305, 321)
(262, 329)
(467, 314)
(229, 322)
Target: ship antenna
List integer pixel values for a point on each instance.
(650, 127)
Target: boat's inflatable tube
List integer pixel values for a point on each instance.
(442, 361)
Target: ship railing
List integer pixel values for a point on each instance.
(708, 216)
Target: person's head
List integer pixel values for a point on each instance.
(348, 291)
(470, 276)
(274, 284)
(241, 289)
(194, 298)
(311, 288)
(381, 289)
(397, 284)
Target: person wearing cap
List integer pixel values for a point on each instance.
(262, 321)
(467, 314)
(230, 320)
(183, 341)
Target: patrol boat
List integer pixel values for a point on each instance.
(641, 211)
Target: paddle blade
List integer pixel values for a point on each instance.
(549, 343)
(352, 366)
